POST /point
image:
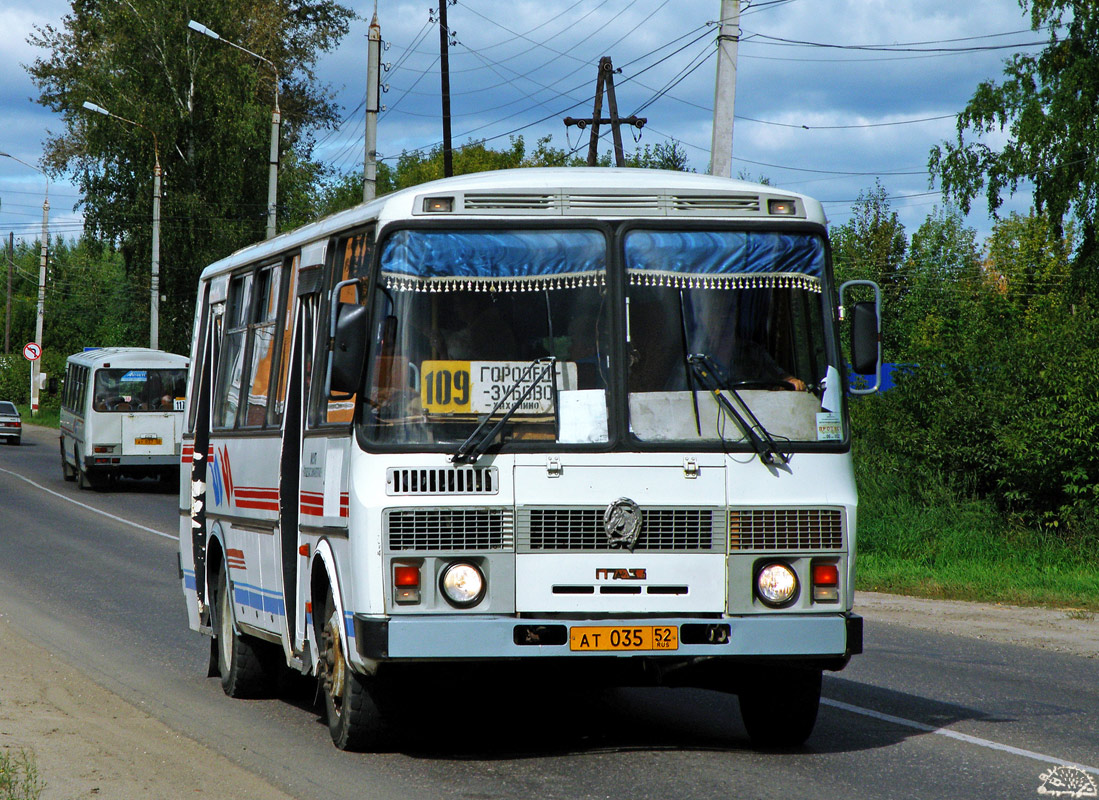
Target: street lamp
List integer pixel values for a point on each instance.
(276, 118)
(35, 364)
(154, 284)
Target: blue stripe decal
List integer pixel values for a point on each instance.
(259, 598)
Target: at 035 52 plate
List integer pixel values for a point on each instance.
(637, 637)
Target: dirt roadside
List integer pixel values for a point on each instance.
(88, 742)
(91, 743)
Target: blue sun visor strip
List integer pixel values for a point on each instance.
(486, 260)
(724, 259)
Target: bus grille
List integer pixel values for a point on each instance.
(443, 480)
(662, 529)
(435, 529)
(785, 529)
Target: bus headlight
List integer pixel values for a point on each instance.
(777, 584)
(463, 584)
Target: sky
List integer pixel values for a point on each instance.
(831, 95)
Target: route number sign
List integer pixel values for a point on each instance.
(475, 387)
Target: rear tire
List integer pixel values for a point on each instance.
(243, 664)
(354, 720)
(779, 706)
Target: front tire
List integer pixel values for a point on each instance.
(242, 663)
(67, 472)
(779, 706)
(83, 477)
(354, 721)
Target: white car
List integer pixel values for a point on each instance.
(11, 424)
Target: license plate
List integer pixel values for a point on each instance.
(641, 637)
(148, 440)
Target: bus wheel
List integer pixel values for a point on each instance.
(353, 718)
(779, 706)
(83, 479)
(67, 472)
(240, 658)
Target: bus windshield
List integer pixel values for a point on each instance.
(139, 389)
(748, 304)
(462, 318)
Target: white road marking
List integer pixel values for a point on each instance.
(89, 508)
(962, 737)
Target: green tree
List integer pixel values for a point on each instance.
(209, 107)
(871, 246)
(88, 303)
(999, 395)
(420, 166)
(939, 275)
(1048, 107)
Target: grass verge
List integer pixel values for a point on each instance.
(47, 417)
(919, 535)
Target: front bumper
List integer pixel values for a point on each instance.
(818, 637)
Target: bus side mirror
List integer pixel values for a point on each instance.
(865, 339)
(865, 335)
(349, 348)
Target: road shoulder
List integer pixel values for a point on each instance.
(1058, 630)
(89, 742)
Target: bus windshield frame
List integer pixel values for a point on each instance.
(432, 378)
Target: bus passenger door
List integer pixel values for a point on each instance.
(294, 564)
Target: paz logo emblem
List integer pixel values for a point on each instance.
(622, 522)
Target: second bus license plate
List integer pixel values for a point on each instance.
(640, 637)
(148, 440)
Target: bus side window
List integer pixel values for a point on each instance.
(261, 335)
(281, 365)
(82, 383)
(227, 398)
(352, 260)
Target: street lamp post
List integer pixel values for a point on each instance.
(276, 119)
(35, 364)
(154, 281)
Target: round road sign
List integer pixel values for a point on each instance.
(32, 351)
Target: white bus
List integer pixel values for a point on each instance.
(593, 420)
(122, 414)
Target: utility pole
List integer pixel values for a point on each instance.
(605, 81)
(373, 85)
(154, 276)
(444, 71)
(721, 145)
(7, 313)
(36, 365)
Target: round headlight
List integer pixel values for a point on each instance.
(463, 584)
(777, 584)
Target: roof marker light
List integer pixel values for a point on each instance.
(785, 208)
(438, 204)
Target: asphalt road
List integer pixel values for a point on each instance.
(93, 577)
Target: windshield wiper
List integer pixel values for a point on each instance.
(714, 379)
(474, 447)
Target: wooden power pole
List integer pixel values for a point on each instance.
(444, 72)
(605, 82)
